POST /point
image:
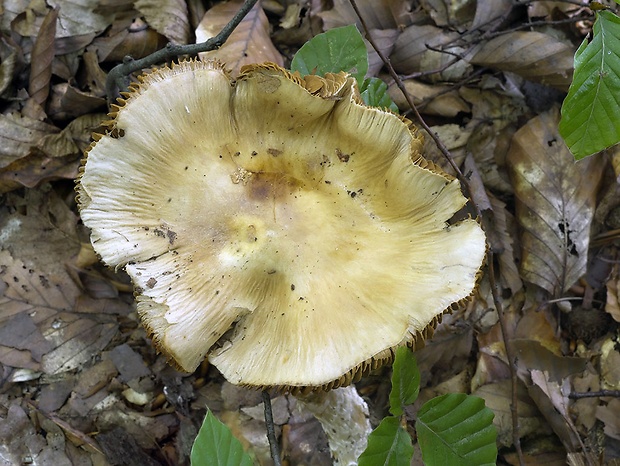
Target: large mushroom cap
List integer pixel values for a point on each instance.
(275, 224)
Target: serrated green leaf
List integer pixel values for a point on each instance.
(375, 93)
(456, 429)
(405, 380)
(215, 445)
(339, 49)
(591, 111)
(388, 445)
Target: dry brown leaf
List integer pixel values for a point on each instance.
(51, 156)
(38, 236)
(498, 398)
(449, 13)
(501, 234)
(41, 62)
(533, 55)
(610, 365)
(430, 99)
(555, 200)
(250, 41)
(532, 355)
(612, 303)
(8, 64)
(609, 415)
(169, 18)
(384, 40)
(377, 14)
(546, 395)
(490, 14)
(69, 102)
(135, 40)
(411, 53)
(18, 134)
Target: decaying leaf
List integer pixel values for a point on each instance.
(609, 415)
(431, 100)
(555, 200)
(249, 43)
(612, 304)
(378, 14)
(533, 55)
(169, 18)
(41, 70)
(498, 397)
(37, 306)
(18, 134)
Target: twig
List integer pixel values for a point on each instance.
(579, 395)
(117, 77)
(465, 183)
(271, 431)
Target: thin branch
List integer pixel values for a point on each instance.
(271, 431)
(599, 393)
(490, 259)
(118, 76)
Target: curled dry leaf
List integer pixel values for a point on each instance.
(555, 200)
(250, 41)
(532, 55)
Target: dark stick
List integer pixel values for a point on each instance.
(512, 360)
(117, 77)
(579, 395)
(271, 431)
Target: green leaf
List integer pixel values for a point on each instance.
(388, 445)
(591, 111)
(456, 429)
(339, 49)
(375, 93)
(405, 380)
(215, 445)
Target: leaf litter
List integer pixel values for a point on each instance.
(80, 381)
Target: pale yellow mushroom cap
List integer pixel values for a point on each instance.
(274, 224)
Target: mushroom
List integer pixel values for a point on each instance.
(275, 224)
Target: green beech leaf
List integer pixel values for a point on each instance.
(405, 380)
(339, 49)
(375, 93)
(591, 111)
(388, 445)
(456, 429)
(215, 445)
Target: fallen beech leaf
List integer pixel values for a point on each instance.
(434, 99)
(532, 354)
(37, 295)
(18, 134)
(41, 62)
(555, 200)
(498, 397)
(612, 305)
(250, 41)
(533, 55)
(609, 415)
(378, 14)
(169, 18)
